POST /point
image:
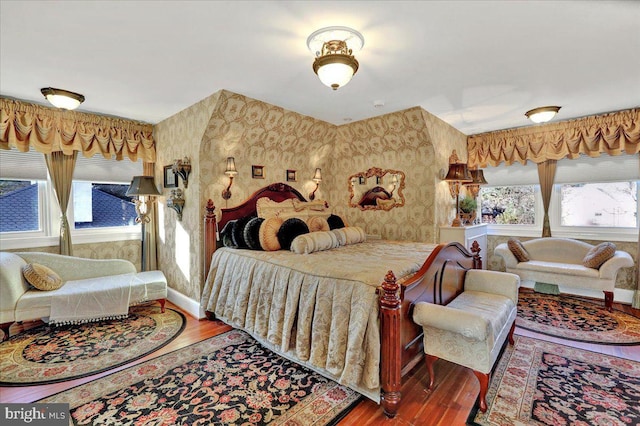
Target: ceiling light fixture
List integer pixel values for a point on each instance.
(60, 98)
(542, 114)
(333, 47)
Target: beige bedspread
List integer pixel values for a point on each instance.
(317, 309)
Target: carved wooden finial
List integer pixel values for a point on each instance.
(390, 297)
(210, 207)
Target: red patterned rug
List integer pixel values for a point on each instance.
(227, 379)
(47, 354)
(538, 382)
(575, 319)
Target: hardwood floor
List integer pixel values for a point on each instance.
(449, 403)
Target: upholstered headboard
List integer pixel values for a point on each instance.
(275, 191)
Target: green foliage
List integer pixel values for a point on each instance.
(468, 204)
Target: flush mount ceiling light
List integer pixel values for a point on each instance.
(542, 114)
(333, 47)
(60, 98)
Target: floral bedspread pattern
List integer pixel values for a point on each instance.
(319, 309)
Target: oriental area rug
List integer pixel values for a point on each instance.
(227, 379)
(575, 319)
(538, 382)
(46, 354)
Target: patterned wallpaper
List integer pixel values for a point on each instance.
(256, 133)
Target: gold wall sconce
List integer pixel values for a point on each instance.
(473, 187)
(182, 168)
(457, 175)
(317, 178)
(176, 202)
(231, 172)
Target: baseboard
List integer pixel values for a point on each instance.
(192, 307)
(620, 295)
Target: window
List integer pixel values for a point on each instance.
(604, 204)
(593, 198)
(19, 206)
(508, 205)
(99, 209)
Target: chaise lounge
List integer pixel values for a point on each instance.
(110, 285)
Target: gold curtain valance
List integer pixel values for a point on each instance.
(49, 130)
(612, 134)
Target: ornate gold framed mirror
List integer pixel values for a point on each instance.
(376, 189)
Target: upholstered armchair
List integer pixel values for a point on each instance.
(472, 328)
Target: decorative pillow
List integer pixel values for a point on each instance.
(41, 277)
(314, 241)
(266, 208)
(252, 233)
(350, 235)
(317, 223)
(518, 250)
(335, 222)
(598, 255)
(226, 234)
(238, 232)
(268, 234)
(289, 230)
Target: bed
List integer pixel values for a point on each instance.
(344, 313)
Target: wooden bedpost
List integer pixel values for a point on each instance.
(477, 260)
(210, 235)
(390, 348)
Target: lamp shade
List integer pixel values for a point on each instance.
(231, 167)
(334, 72)
(317, 177)
(478, 177)
(142, 185)
(64, 99)
(458, 172)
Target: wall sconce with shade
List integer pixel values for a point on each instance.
(333, 48)
(457, 174)
(145, 189)
(182, 168)
(60, 98)
(231, 172)
(394, 181)
(176, 202)
(317, 178)
(473, 187)
(542, 114)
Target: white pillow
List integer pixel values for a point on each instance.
(267, 208)
(314, 241)
(350, 235)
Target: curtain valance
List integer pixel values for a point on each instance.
(49, 130)
(612, 134)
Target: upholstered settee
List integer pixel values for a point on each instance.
(561, 261)
(87, 281)
(472, 329)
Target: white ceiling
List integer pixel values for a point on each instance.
(478, 65)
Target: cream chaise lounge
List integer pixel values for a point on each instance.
(560, 261)
(19, 301)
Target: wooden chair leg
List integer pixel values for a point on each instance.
(483, 378)
(430, 360)
(162, 302)
(513, 327)
(608, 300)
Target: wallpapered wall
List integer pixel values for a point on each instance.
(256, 133)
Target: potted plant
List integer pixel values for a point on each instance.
(468, 207)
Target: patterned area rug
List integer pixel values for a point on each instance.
(539, 382)
(227, 379)
(575, 319)
(47, 354)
